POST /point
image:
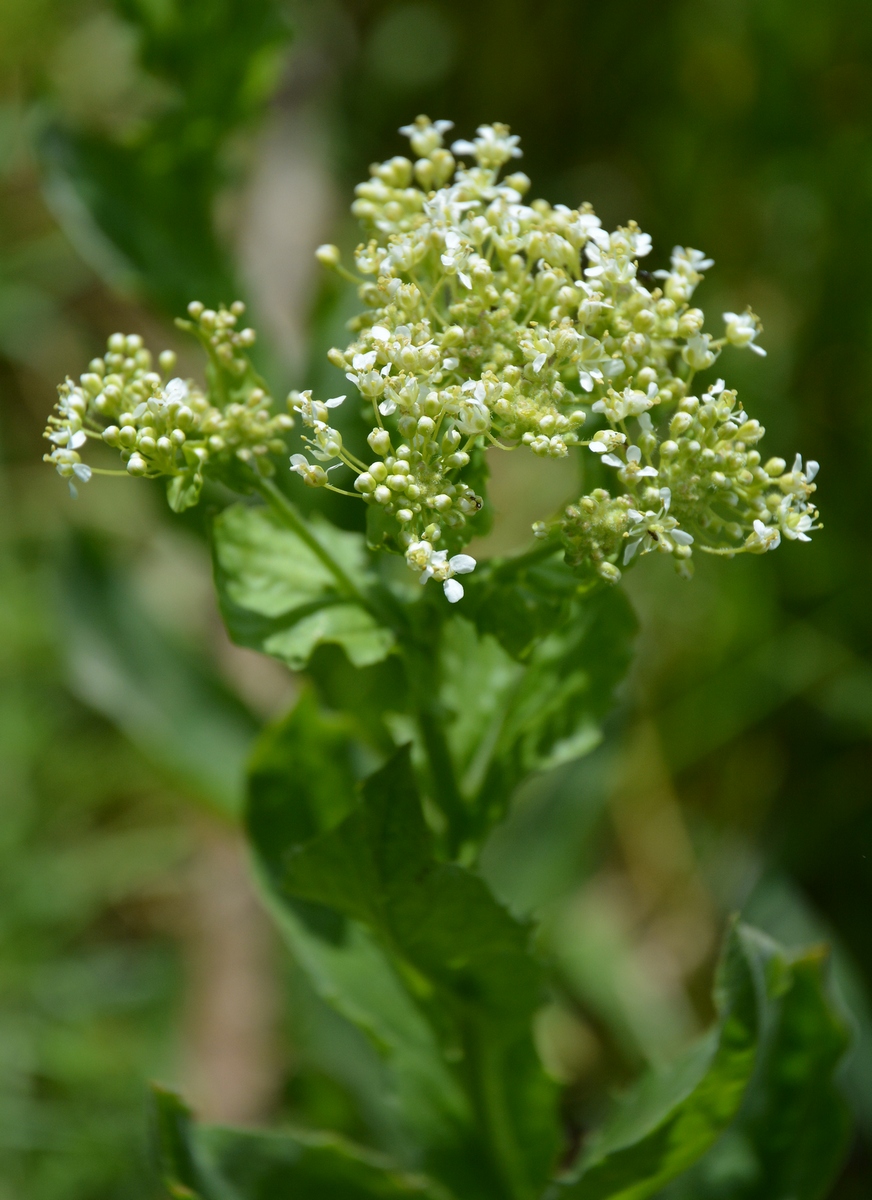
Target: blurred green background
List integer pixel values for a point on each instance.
(153, 151)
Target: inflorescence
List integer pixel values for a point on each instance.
(486, 321)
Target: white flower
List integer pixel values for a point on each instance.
(175, 392)
(632, 470)
(764, 537)
(312, 475)
(435, 564)
(426, 135)
(607, 440)
(742, 329)
(493, 146)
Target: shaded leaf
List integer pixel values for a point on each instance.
(143, 204)
(791, 1134)
(672, 1117)
(461, 958)
(510, 719)
(167, 701)
(277, 596)
(214, 1163)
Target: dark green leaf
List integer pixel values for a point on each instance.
(147, 199)
(673, 1117)
(519, 601)
(212, 1163)
(507, 719)
(461, 958)
(277, 596)
(791, 1134)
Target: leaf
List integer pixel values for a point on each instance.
(674, 1116)
(143, 203)
(165, 699)
(790, 1137)
(769, 1013)
(462, 960)
(214, 1163)
(277, 596)
(511, 719)
(183, 491)
(520, 600)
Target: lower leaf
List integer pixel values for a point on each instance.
(213, 1163)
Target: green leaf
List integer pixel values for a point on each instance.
(277, 596)
(143, 204)
(674, 1116)
(774, 1029)
(462, 960)
(790, 1137)
(183, 491)
(520, 600)
(164, 698)
(507, 720)
(214, 1163)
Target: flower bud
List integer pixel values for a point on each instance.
(328, 255)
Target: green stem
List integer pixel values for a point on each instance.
(486, 1090)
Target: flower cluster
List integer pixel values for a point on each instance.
(170, 427)
(488, 320)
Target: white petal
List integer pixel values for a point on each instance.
(598, 447)
(683, 539)
(334, 403)
(757, 349)
(811, 469)
(77, 439)
(630, 549)
(585, 380)
(453, 590)
(462, 564)
(612, 460)
(759, 528)
(387, 407)
(299, 460)
(649, 471)
(797, 463)
(465, 280)
(717, 387)
(82, 471)
(380, 333)
(463, 147)
(176, 389)
(634, 454)
(539, 362)
(598, 407)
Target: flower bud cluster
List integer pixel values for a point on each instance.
(700, 482)
(170, 427)
(488, 320)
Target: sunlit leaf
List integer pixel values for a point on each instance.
(277, 596)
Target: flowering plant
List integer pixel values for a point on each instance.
(486, 322)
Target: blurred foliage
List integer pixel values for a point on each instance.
(139, 152)
(740, 127)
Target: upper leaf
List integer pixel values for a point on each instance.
(277, 596)
(507, 719)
